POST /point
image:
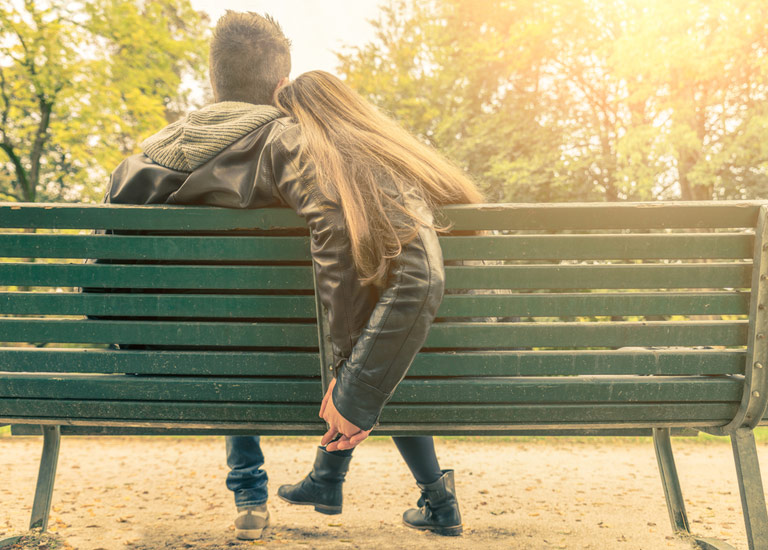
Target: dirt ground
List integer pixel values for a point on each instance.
(131, 493)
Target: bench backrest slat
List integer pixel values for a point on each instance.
(734, 275)
(488, 390)
(599, 246)
(648, 333)
(552, 217)
(158, 305)
(547, 304)
(494, 247)
(158, 248)
(427, 364)
(230, 277)
(145, 218)
(160, 333)
(534, 277)
(454, 305)
(591, 216)
(301, 364)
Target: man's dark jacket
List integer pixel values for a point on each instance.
(239, 155)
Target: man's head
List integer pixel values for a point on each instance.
(249, 57)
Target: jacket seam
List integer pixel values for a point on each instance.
(372, 343)
(314, 193)
(347, 307)
(421, 308)
(272, 143)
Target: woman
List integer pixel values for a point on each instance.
(378, 185)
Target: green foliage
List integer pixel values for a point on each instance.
(550, 100)
(81, 83)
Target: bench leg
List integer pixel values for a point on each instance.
(41, 507)
(678, 517)
(670, 482)
(750, 487)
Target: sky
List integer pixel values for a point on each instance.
(316, 28)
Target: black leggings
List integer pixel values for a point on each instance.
(418, 453)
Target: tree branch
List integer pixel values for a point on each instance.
(21, 174)
(6, 104)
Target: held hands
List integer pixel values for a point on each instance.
(341, 434)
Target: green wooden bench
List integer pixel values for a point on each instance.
(565, 319)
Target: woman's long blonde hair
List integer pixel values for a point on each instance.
(355, 149)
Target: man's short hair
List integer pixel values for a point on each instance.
(249, 56)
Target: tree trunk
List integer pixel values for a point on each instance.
(38, 147)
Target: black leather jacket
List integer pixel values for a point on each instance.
(375, 332)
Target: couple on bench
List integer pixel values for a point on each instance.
(366, 189)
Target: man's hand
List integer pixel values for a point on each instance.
(341, 434)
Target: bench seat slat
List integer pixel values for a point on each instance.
(34, 429)
(112, 427)
(596, 247)
(711, 275)
(673, 414)
(464, 390)
(454, 305)
(159, 333)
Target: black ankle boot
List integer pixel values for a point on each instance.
(322, 486)
(439, 509)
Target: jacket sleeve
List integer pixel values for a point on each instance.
(394, 333)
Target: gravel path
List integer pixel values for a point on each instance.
(118, 493)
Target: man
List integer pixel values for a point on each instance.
(249, 59)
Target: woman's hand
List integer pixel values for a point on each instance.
(341, 434)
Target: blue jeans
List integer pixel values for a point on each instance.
(246, 479)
